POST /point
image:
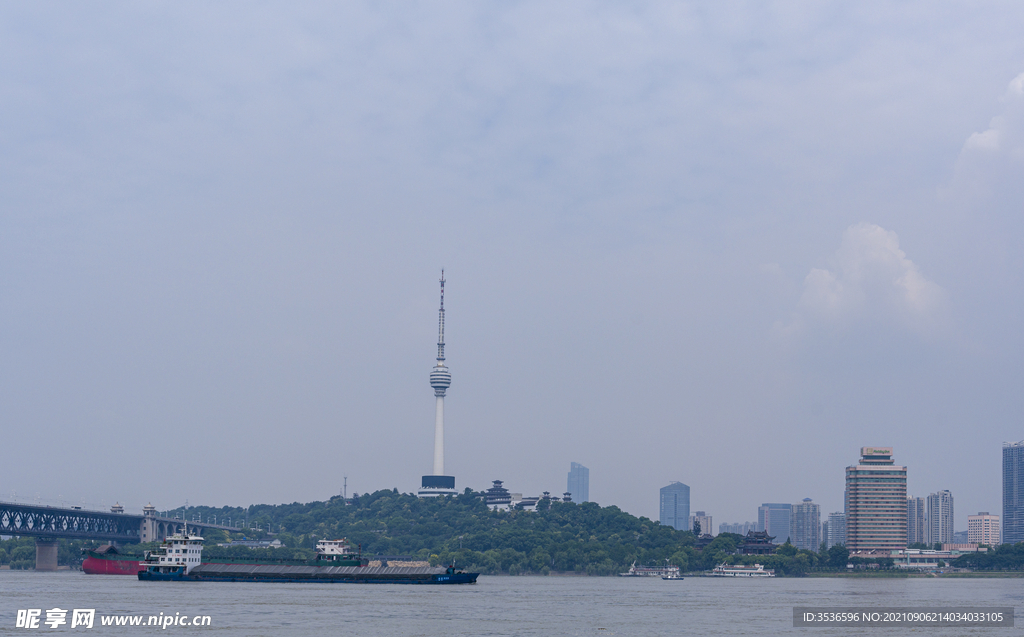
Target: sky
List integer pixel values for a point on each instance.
(727, 244)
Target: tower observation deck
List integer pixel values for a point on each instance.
(437, 484)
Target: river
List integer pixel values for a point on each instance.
(599, 606)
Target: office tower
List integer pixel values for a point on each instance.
(1013, 492)
(983, 529)
(437, 483)
(876, 502)
(917, 521)
(836, 529)
(940, 518)
(774, 517)
(705, 522)
(579, 483)
(675, 506)
(805, 525)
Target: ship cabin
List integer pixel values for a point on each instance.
(179, 552)
(339, 551)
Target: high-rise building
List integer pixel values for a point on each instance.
(705, 523)
(579, 482)
(437, 483)
(740, 528)
(675, 506)
(836, 529)
(983, 529)
(805, 525)
(917, 521)
(774, 517)
(876, 502)
(940, 518)
(1013, 492)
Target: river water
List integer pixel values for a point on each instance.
(599, 606)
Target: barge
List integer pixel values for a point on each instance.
(179, 558)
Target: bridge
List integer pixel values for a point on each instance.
(48, 524)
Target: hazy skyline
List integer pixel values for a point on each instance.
(727, 245)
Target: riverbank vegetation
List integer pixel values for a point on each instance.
(560, 537)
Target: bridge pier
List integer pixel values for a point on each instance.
(46, 554)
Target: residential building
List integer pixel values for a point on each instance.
(836, 529)
(983, 529)
(824, 532)
(739, 528)
(940, 518)
(675, 506)
(917, 521)
(1013, 492)
(876, 502)
(774, 518)
(578, 484)
(805, 525)
(705, 522)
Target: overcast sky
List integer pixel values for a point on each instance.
(721, 243)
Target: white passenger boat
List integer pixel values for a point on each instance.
(652, 571)
(741, 570)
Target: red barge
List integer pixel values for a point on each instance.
(106, 560)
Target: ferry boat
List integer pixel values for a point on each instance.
(180, 559)
(652, 571)
(741, 570)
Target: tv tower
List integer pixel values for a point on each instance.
(440, 379)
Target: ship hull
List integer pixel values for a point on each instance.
(322, 574)
(93, 565)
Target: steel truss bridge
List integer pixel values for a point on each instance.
(79, 524)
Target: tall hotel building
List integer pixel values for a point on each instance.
(1013, 492)
(876, 502)
(917, 521)
(675, 506)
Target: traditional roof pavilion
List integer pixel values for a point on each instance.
(757, 543)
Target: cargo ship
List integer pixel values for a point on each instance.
(107, 560)
(179, 558)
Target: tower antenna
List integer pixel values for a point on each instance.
(440, 325)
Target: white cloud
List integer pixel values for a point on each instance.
(991, 156)
(871, 281)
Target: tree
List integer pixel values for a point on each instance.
(838, 556)
(696, 527)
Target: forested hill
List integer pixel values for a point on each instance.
(562, 537)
